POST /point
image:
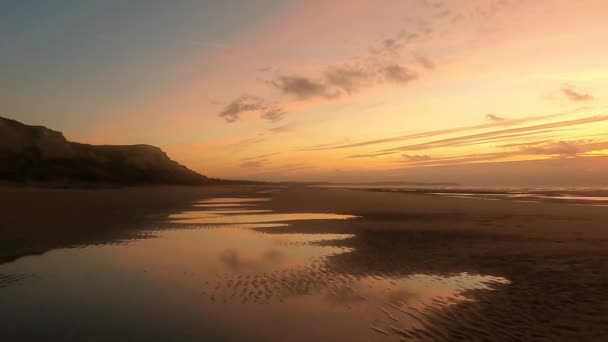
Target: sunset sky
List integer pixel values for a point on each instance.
(350, 90)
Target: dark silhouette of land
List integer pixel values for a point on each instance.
(38, 154)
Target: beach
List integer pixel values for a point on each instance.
(36, 219)
(353, 264)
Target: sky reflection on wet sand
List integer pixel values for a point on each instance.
(227, 283)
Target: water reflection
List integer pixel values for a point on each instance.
(530, 197)
(232, 200)
(218, 211)
(209, 217)
(224, 205)
(229, 283)
(229, 211)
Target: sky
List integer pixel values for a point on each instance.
(473, 91)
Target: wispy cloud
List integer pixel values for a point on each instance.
(485, 140)
(253, 164)
(324, 145)
(497, 134)
(399, 74)
(273, 114)
(563, 148)
(416, 157)
(526, 143)
(301, 87)
(370, 155)
(509, 137)
(267, 111)
(575, 95)
(424, 61)
(232, 112)
(280, 129)
(263, 156)
(429, 134)
(381, 64)
(245, 143)
(347, 78)
(495, 118)
(257, 162)
(551, 149)
(456, 160)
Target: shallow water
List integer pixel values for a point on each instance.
(529, 197)
(221, 217)
(574, 195)
(216, 277)
(232, 200)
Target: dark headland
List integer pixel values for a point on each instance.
(84, 192)
(39, 155)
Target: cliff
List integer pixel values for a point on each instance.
(38, 154)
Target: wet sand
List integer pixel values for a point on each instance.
(555, 256)
(547, 263)
(35, 220)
